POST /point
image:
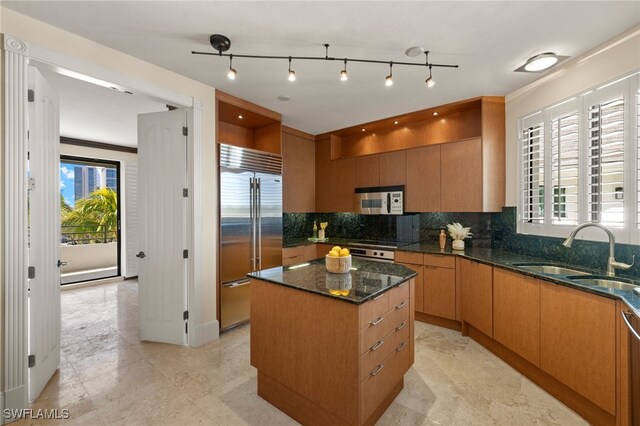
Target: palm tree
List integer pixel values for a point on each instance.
(64, 206)
(96, 214)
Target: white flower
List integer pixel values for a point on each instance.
(458, 232)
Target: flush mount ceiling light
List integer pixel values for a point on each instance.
(222, 43)
(541, 62)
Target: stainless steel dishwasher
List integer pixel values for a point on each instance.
(633, 322)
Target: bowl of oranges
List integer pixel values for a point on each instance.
(338, 261)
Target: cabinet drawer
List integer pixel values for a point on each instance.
(382, 349)
(394, 318)
(373, 309)
(310, 252)
(408, 257)
(382, 379)
(398, 294)
(292, 252)
(439, 260)
(286, 261)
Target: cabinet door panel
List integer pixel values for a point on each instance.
(516, 313)
(440, 292)
(578, 342)
(341, 185)
(393, 167)
(298, 177)
(477, 295)
(323, 176)
(422, 187)
(419, 285)
(461, 174)
(368, 171)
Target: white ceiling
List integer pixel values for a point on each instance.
(487, 39)
(98, 114)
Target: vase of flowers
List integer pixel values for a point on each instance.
(458, 233)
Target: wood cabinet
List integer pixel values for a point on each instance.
(298, 175)
(419, 290)
(516, 313)
(327, 361)
(393, 168)
(335, 180)
(578, 342)
(477, 295)
(439, 286)
(461, 176)
(368, 171)
(422, 187)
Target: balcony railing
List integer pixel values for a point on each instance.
(69, 235)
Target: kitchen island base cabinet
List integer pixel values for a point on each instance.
(308, 350)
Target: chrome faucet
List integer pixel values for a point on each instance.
(612, 265)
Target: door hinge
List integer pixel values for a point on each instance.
(31, 96)
(31, 184)
(32, 272)
(185, 192)
(32, 361)
(185, 131)
(185, 254)
(185, 317)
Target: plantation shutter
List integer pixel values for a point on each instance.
(532, 171)
(605, 159)
(131, 219)
(565, 149)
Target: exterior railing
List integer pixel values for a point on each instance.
(69, 236)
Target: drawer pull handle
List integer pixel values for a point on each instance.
(377, 345)
(377, 321)
(378, 297)
(377, 370)
(401, 346)
(401, 326)
(401, 305)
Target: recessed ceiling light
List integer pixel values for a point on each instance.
(541, 62)
(240, 117)
(396, 122)
(435, 113)
(414, 51)
(284, 98)
(363, 129)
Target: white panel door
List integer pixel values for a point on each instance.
(44, 232)
(162, 270)
(131, 236)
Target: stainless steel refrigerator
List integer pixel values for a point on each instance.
(250, 225)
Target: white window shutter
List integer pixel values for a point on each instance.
(131, 219)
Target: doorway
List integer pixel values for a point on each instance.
(90, 212)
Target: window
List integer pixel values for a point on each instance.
(586, 152)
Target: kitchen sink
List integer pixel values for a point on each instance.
(548, 268)
(606, 282)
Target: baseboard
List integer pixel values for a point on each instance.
(13, 399)
(204, 333)
(439, 321)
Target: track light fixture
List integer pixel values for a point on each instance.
(343, 73)
(232, 72)
(222, 43)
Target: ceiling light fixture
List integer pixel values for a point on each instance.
(430, 81)
(240, 117)
(292, 74)
(541, 62)
(343, 73)
(396, 122)
(414, 51)
(222, 43)
(363, 129)
(388, 80)
(232, 72)
(435, 113)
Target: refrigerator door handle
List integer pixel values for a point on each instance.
(259, 216)
(252, 231)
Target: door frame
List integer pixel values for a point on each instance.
(18, 55)
(117, 164)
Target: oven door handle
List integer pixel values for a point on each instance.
(626, 317)
(388, 203)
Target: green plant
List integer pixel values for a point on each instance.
(96, 215)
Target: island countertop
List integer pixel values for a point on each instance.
(366, 280)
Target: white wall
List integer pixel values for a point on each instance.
(55, 39)
(606, 62)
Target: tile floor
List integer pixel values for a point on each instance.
(107, 376)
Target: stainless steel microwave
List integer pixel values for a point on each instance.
(380, 200)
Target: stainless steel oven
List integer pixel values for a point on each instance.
(384, 200)
(633, 322)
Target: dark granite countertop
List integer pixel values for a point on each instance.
(507, 260)
(295, 242)
(366, 280)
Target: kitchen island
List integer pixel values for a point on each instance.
(332, 348)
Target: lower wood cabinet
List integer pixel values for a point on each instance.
(516, 313)
(578, 342)
(477, 295)
(440, 286)
(419, 292)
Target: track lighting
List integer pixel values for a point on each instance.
(292, 73)
(232, 72)
(222, 44)
(343, 73)
(388, 81)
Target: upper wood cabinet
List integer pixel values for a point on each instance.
(335, 180)
(247, 125)
(422, 185)
(367, 171)
(298, 177)
(477, 295)
(392, 168)
(461, 184)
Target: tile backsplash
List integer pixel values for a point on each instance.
(490, 230)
